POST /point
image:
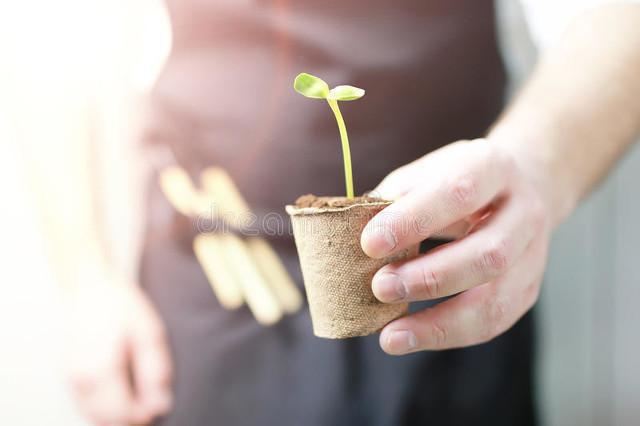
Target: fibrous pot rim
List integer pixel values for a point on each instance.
(299, 211)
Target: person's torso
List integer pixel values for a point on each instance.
(433, 75)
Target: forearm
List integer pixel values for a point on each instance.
(64, 175)
(62, 185)
(581, 109)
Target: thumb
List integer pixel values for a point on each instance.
(397, 183)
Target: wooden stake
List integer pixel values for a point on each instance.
(237, 270)
(210, 251)
(228, 201)
(219, 184)
(179, 189)
(257, 293)
(277, 276)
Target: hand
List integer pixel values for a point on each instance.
(118, 357)
(494, 269)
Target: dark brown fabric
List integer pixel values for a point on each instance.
(433, 75)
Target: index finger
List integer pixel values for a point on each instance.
(460, 182)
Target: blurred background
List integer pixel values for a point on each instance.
(79, 68)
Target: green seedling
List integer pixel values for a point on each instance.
(315, 88)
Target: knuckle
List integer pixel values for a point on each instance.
(421, 223)
(495, 257)
(493, 317)
(440, 334)
(431, 284)
(463, 192)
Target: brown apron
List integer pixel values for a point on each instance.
(433, 75)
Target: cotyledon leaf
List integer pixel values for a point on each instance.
(311, 86)
(345, 93)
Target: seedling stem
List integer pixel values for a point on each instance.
(346, 152)
(315, 88)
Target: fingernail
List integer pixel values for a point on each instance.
(379, 241)
(398, 341)
(389, 287)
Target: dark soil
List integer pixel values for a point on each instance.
(310, 200)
